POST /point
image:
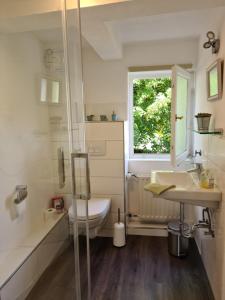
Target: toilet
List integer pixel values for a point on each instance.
(98, 209)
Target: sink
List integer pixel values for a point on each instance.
(187, 189)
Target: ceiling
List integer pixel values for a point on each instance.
(107, 28)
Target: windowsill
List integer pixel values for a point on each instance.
(150, 159)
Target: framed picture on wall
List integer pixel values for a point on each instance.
(215, 80)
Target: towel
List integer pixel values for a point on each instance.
(157, 188)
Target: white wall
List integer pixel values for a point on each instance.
(212, 250)
(105, 82)
(24, 134)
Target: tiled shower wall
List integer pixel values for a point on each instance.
(107, 166)
(25, 153)
(59, 135)
(213, 147)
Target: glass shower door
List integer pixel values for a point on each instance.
(79, 158)
(42, 126)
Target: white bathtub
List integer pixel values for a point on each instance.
(21, 267)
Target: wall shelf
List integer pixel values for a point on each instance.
(218, 131)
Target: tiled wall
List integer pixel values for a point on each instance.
(25, 154)
(213, 147)
(107, 166)
(58, 123)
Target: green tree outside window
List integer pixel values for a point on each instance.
(151, 115)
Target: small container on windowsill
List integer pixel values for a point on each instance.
(114, 116)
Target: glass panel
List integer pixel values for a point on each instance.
(181, 113)
(36, 143)
(72, 41)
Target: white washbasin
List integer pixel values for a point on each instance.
(187, 189)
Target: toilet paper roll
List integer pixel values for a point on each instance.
(119, 235)
(49, 214)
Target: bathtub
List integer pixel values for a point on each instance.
(21, 267)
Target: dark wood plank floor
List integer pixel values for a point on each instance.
(143, 270)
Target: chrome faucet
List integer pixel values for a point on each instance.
(198, 169)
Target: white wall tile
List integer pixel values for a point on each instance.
(213, 147)
(111, 131)
(25, 134)
(107, 168)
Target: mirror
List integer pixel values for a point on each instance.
(214, 80)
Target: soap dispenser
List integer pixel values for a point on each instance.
(206, 179)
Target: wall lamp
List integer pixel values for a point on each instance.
(212, 42)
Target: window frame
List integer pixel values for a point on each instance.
(131, 77)
(176, 160)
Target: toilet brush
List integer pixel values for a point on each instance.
(119, 233)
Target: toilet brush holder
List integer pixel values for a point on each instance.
(119, 239)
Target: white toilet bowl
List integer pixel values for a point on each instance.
(98, 209)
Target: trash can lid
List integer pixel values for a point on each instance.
(175, 226)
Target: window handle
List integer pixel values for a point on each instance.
(178, 117)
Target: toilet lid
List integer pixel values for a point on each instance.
(96, 208)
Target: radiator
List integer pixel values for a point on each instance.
(148, 209)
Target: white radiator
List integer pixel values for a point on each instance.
(142, 204)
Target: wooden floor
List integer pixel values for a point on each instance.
(143, 270)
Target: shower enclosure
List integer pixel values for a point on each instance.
(42, 147)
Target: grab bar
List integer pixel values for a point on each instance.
(61, 167)
(88, 193)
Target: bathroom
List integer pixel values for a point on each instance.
(73, 161)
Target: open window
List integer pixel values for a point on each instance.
(159, 114)
(180, 115)
(150, 114)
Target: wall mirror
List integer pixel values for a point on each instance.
(215, 80)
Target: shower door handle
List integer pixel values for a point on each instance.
(61, 168)
(87, 195)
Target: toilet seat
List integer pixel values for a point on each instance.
(97, 208)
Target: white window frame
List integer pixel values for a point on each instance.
(176, 160)
(131, 77)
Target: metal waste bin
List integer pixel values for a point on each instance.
(178, 244)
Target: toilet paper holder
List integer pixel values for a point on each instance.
(20, 193)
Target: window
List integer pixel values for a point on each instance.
(150, 114)
(50, 90)
(159, 114)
